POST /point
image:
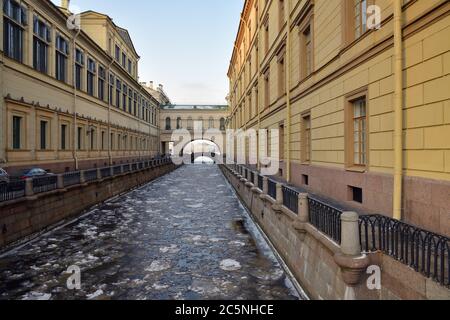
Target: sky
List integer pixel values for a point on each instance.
(186, 45)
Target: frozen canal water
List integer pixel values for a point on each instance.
(184, 236)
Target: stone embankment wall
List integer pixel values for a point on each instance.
(325, 269)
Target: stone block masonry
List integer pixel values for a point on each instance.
(324, 268)
(22, 218)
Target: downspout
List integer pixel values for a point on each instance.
(75, 136)
(398, 107)
(288, 92)
(109, 111)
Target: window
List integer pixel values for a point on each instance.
(307, 49)
(111, 141)
(168, 126)
(92, 136)
(62, 52)
(211, 123)
(79, 63)
(124, 97)
(17, 132)
(306, 138)
(356, 194)
(79, 137)
(101, 82)
(124, 60)
(190, 124)
(266, 36)
(130, 66)
(179, 124)
(91, 76)
(281, 13)
(267, 89)
(103, 140)
(15, 19)
(130, 99)
(359, 132)
(281, 77)
(63, 136)
(360, 9)
(117, 53)
(43, 135)
(222, 124)
(111, 88)
(41, 41)
(118, 89)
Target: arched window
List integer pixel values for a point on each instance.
(190, 124)
(211, 123)
(179, 123)
(222, 124)
(168, 126)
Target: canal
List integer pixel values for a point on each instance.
(184, 236)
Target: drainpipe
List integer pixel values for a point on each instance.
(109, 111)
(75, 137)
(398, 107)
(288, 92)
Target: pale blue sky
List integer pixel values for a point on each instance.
(184, 44)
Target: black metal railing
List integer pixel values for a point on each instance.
(117, 170)
(252, 177)
(133, 166)
(90, 175)
(260, 182)
(426, 252)
(325, 218)
(71, 178)
(44, 184)
(272, 189)
(12, 190)
(126, 168)
(105, 172)
(290, 199)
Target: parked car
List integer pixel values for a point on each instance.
(33, 173)
(4, 177)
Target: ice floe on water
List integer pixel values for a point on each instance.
(172, 249)
(158, 266)
(37, 296)
(230, 265)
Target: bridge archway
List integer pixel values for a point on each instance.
(201, 151)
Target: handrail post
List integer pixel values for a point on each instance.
(82, 177)
(29, 192)
(60, 181)
(350, 244)
(303, 208)
(279, 194)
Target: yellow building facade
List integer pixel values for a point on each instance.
(70, 99)
(363, 113)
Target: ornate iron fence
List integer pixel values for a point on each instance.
(106, 172)
(44, 184)
(260, 182)
(272, 189)
(12, 190)
(325, 218)
(424, 251)
(71, 178)
(90, 175)
(117, 170)
(290, 199)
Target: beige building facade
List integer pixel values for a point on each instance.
(190, 117)
(70, 99)
(363, 114)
